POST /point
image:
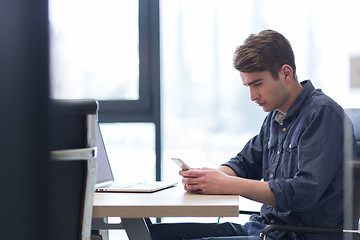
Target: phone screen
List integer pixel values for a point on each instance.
(181, 163)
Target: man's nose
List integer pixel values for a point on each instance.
(253, 94)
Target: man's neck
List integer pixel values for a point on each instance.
(295, 90)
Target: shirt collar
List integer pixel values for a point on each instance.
(279, 117)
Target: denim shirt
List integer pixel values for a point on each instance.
(301, 157)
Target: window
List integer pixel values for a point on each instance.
(109, 51)
(94, 49)
(131, 155)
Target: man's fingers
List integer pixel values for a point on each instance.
(190, 181)
(192, 188)
(194, 172)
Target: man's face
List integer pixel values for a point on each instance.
(267, 92)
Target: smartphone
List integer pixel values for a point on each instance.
(181, 163)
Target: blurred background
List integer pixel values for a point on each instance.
(203, 112)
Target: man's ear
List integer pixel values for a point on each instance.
(287, 72)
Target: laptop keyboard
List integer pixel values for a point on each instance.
(121, 185)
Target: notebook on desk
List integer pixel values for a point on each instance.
(105, 179)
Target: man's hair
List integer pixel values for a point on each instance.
(266, 51)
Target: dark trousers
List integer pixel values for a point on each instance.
(181, 231)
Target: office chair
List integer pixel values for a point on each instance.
(353, 201)
(72, 168)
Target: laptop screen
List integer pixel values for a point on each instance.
(103, 169)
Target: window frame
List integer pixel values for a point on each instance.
(147, 108)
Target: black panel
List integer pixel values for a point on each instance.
(23, 121)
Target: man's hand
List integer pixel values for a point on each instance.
(206, 181)
(224, 181)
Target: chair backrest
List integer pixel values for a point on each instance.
(72, 173)
(356, 194)
(354, 115)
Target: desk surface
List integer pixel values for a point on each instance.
(172, 202)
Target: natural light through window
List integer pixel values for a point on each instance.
(94, 49)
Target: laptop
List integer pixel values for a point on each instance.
(105, 179)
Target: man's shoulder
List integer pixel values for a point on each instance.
(319, 102)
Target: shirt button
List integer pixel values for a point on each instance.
(278, 152)
(271, 175)
(272, 221)
(284, 129)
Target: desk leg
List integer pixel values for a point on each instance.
(102, 225)
(136, 228)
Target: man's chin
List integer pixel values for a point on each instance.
(267, 109)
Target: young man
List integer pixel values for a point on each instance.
(294, 165)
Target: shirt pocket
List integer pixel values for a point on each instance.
(269, 156)
(290, 145)
(271, 142)
(290, 158)
(272, 149)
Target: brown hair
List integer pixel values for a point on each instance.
(266, 51)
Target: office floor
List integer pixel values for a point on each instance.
(117, 235)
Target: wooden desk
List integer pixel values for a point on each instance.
(172, 202)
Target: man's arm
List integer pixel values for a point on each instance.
(227, 170)
(224, 181)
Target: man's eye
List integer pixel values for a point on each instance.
(257, 84)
